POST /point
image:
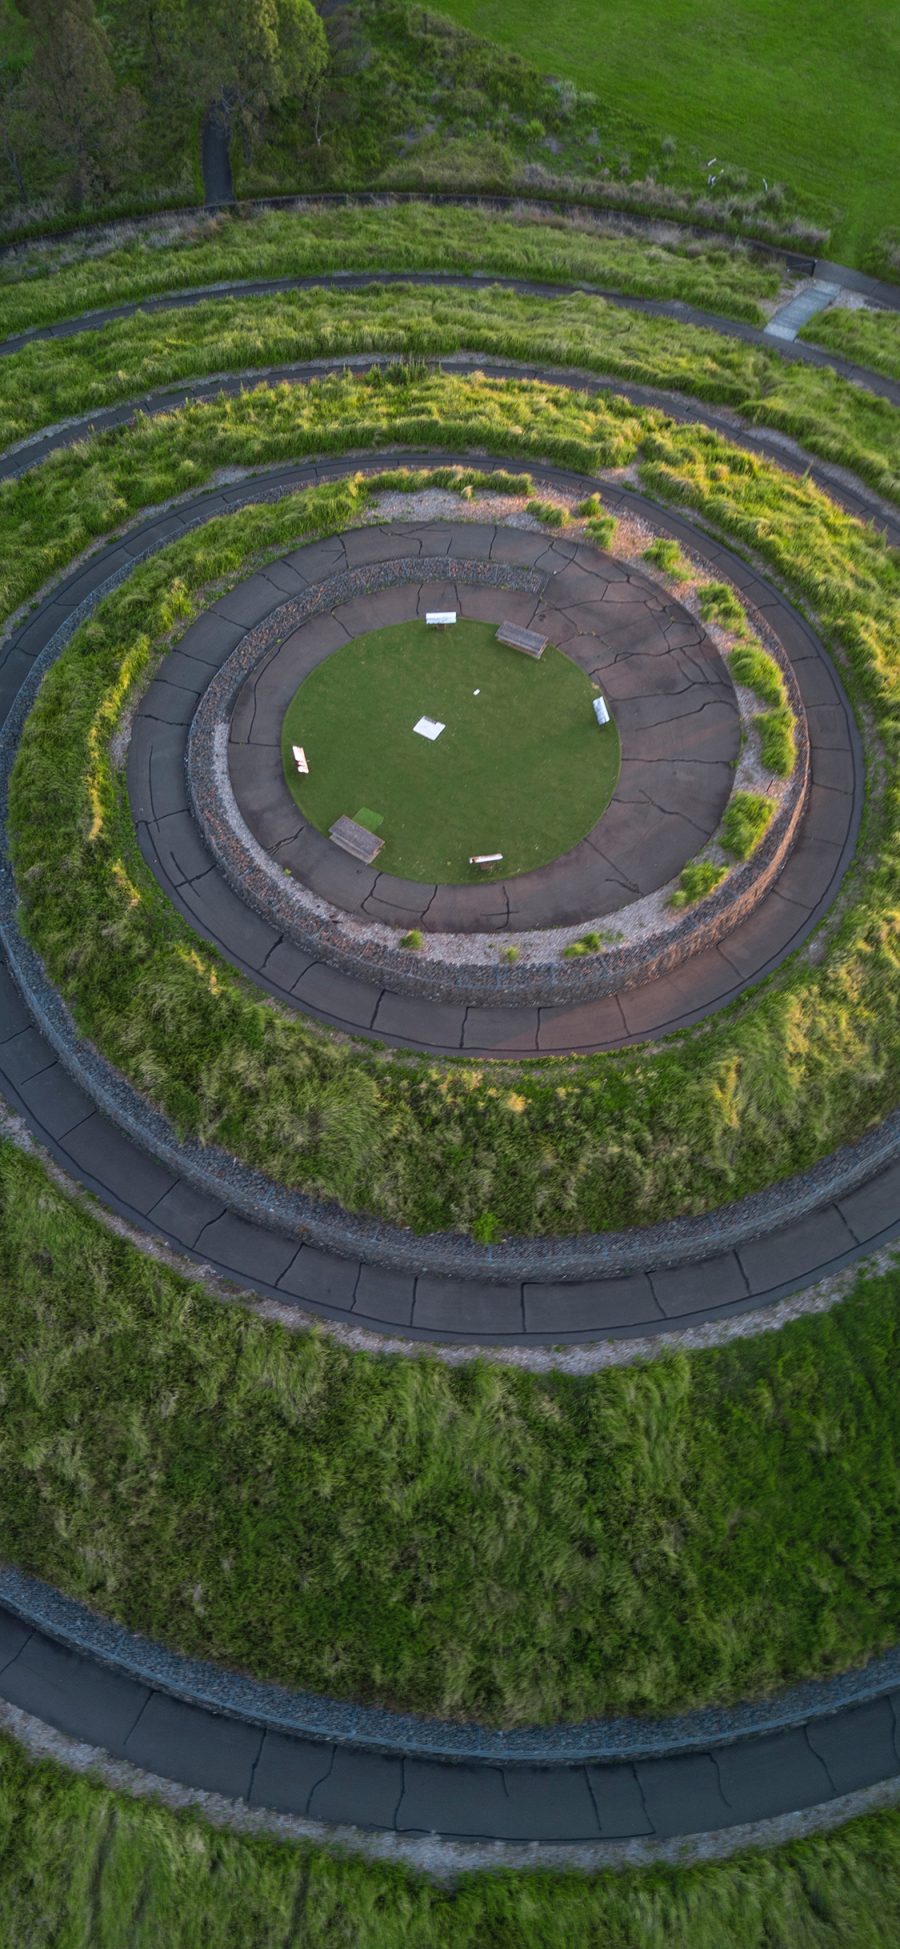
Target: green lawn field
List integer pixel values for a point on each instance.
(805, 94)
(520, 769)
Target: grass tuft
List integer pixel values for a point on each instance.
(700, 877)
(746, 821)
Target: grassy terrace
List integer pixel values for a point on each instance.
(831, 417)
(767, 1088)
(81, 1865)
(408, 237)
(699, 1528)
(870, 338)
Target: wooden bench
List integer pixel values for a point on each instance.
(522, 639)
(356, 839)
(485, 860)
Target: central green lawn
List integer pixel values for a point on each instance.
(804, 93)
(521, 768)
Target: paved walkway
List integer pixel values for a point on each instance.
(215, 159)
(814, 297)
(675, 711)
(700, 1775)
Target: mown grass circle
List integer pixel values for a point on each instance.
(513, 726)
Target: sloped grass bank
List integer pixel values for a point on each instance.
(831, 417)
(870, 338)
(80, 1865)
(605, 1142)
(741, 90)
(399, 237)
(471, 1541)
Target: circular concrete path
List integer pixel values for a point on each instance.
(672, 699)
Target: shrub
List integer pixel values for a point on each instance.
(413, 940)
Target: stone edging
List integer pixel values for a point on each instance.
(379, 1729)
(312, 925)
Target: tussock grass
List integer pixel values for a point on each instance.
(752, 666)
(626, 1139)
(701, 1527)
(778, 741)
(834, 419)
(746, 820)
(870, 338)
(80, 1864)
(405, 237)
(700, 877)
(601, 530)
(667, 555)
(719, 604)
(758, 671)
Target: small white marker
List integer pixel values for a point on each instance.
(476, 693)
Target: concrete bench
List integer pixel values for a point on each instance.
(485, 860)
(356, 839)
(522, 639)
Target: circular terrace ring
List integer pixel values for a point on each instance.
(574, 1289)
(670, 696)
(265, 923)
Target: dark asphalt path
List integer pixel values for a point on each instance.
(704, 1783)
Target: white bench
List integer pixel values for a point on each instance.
(300, 758)
(485, 860)
(440, 618)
